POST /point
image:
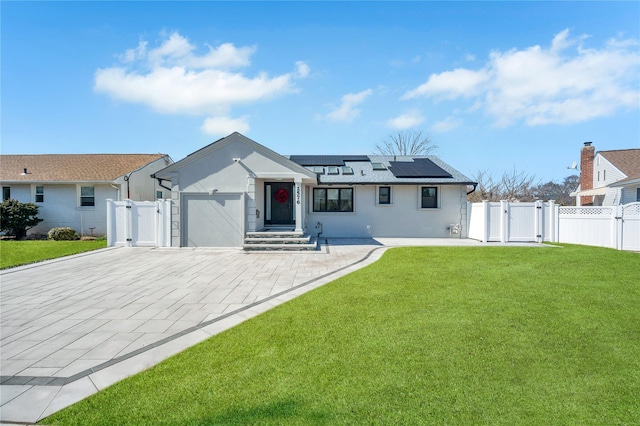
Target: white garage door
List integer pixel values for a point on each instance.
(212, 220)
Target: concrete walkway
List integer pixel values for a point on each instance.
(73, 326)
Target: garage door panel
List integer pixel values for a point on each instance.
(212, 220)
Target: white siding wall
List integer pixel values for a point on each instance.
(61, 209)
(142, 187)
(608, 173)
(629, 194)
(403, 218)
(21, 192)
(217, 170)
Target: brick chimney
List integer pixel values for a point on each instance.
(587, 154)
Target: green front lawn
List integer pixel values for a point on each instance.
(442, 335)
(15, 253)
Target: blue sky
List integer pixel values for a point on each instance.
(496, 85)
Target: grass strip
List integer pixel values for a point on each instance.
(16, 253)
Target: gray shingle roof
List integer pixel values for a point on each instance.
(364, 173)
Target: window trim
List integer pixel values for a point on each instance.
(420, 205)
(80, 196)
(378, 195)
(38, 197)
(326, 200)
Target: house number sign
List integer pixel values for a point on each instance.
(297, 194)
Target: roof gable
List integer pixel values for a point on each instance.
(72, 167)
(625, 160)
(235, 137)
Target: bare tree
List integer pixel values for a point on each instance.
(406, 142)
(512, 186)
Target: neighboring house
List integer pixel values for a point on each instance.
(608, 177)
(236, 186)
(71, 189)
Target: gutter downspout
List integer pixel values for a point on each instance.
(475, 185)
(126, 179)
(153, 176)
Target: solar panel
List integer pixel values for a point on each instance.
(419, 168)
(326, 160)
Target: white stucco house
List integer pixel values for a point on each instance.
(235, 190)
(608, 178)
(71, 189)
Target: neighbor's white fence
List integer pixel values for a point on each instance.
(138, 223)
(608, 226)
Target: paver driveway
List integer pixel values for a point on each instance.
(74, 326)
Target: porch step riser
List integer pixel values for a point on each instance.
(251, 242)
(274, 234)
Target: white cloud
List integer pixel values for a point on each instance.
(564, 83)
(406, 121)
(450, 84)
(174, 79)
(347, 111)
(222, 126)
(302, 69)
(446, 125)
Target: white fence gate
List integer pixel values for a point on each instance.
(138, 223)
(607, 226)
(510, 222)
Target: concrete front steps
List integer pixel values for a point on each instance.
(276, 239)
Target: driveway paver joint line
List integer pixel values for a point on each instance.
(56, 381)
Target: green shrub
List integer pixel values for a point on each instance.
(62, 234)
(17, 218)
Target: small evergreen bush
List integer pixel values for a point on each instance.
(62, 234)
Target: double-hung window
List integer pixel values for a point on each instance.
(6, 193)
(39, 194)
(384, 195)
(87, 196)
(429, 197)
(333, 199)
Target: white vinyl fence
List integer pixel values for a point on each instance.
(138, 223)
(607, 226)
(510, 222)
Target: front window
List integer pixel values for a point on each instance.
(333, 199)
(429, 197)
(39, 194)
(384, 195)
(6, 193)
(87, 196)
